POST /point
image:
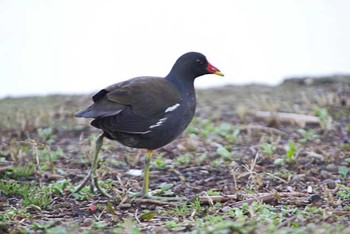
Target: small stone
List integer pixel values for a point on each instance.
(290, 189)
(314, 198)
(331, 167)
(330, 183)
(181, 147)
(134, 172)
(87, 222)
(192, 143)
(296, 178)
(226, 209)
(325, 174)
(309, 189)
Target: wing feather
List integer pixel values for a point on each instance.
(131, 106)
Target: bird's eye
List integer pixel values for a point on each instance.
(200, 62)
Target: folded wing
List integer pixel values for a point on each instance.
(131, 106)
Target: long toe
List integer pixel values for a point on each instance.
(90, 178)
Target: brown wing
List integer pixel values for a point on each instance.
(145, 95)
(132, 106)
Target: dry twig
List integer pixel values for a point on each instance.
(250, 198)
(293, 118)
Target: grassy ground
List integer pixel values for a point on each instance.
(234, 172)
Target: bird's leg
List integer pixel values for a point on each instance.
(145, 196)
(145, 186)
(146, 173)
(91, 175)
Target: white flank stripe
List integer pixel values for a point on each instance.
(141, 132)
(172, 108)
(158, 123)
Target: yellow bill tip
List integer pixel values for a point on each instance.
(219, 73)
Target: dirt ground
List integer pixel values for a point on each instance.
(242, 166)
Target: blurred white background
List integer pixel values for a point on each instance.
(66, 46)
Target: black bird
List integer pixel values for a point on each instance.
(147, 112)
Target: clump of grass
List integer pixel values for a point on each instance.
(31, 195)
(60, 187)
(8, 215)
(18, 172)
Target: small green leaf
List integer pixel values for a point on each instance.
(165, 186)
(172, 224)
(278, 162)
(147, 215)
(290, 154)
(212, 192)
(222, 151)
(110, 208)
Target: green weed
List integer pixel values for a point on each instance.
(344, 192)
(212, 192)
(46, 135)
(343, 171)
(307, 135)
(147, 215)
(60, 187)
(291, 152)
(223, 152)
(324, 117)
(12, 213)
(183, 159)
(268, 149)
(84, 194)
(228, 131)
(19, 172)
(31, 195)
(159, 161)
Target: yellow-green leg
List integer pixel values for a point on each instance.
(145, 186)
(91, 175)
(146, 173)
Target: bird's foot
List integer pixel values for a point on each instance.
(93, 185)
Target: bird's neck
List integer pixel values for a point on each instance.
(185, 86)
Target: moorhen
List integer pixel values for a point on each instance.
(146, 112)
